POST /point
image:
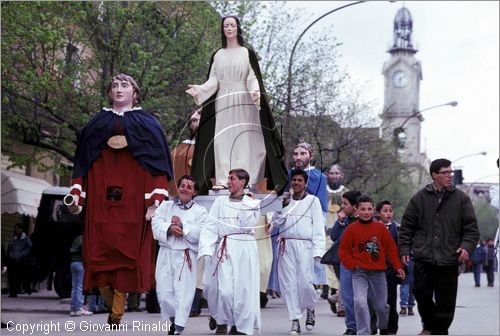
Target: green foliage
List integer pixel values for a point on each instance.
(487, 220)
(58, 58)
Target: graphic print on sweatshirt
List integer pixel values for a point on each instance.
(372, 247)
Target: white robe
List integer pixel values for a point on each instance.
(238, 141)
(175, 272)
(302, 237)
(233, 284)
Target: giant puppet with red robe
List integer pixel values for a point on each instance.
(121, 172)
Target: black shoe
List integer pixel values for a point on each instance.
(212, 324)
(310, 319)
(410, 311)
(349, 332)
(263, 300)
(194, 313)
(324, 293)
(383, 332)
(171, 329)
(333, 305)
(221, 329)
(232, 331)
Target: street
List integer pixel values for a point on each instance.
(43, 313)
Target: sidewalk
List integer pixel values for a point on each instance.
(477, 313)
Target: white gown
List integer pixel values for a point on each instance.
(238, 142)
(301, 230)
(234, 275)
(175, 271)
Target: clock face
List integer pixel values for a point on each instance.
(400, 79)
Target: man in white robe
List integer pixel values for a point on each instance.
(177, 225)
(301, 241)
(233, 262)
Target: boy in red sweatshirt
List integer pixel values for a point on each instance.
(363, 249)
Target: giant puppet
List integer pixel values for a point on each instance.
(237, 129)
(122, 164)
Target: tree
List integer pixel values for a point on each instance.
(58, 57)
(486, 218)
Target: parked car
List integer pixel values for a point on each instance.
(55, 230)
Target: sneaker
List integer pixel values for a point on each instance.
(425, 332)
(310, 319)
(295, 328)
(341, 313)
(402, 312)
(410, 311)
(80, 312)
(84, 312)
(349, 332)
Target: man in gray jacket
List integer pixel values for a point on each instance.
(440, 226)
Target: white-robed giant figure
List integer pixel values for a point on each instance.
(227, 242)
(177, 225)
(301, 240)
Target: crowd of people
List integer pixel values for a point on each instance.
(122, 172)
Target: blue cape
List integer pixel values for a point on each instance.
(144, 135)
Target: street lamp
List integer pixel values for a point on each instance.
(399, 132)
(457, 173)
(290, 62)
(466, 156)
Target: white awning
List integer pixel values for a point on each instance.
(21, 194)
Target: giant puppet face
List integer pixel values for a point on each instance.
(230, 28)
(301, 157)
(122, 93)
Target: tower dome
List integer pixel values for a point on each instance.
(403, 29)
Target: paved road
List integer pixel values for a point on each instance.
(477, 313)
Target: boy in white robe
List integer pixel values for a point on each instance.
(233, 261)
(301, 240)
(177, 225)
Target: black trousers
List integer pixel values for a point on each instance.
(435, 289)
(392, 298)
(490, 271)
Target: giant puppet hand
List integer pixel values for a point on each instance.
(151, 210)
(71, 201)
(191, 91)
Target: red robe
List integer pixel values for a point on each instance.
(118, 245)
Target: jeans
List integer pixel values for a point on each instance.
(477, 268)
(96, 303)
(373, 285)
(76, 285)
(348, 297)
(407, 299)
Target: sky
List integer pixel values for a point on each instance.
(458, 43)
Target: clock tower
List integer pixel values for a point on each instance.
(402, 75)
